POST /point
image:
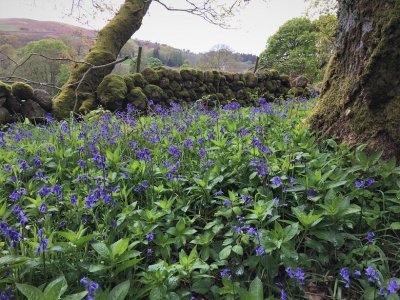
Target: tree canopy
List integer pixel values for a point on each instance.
(301, 47)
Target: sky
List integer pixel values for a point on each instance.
(250, 28)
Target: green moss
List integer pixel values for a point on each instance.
(250, 79)
(129, 80)
(150, 75)
(112, 92)
(22, 91)
(175, 86)
(208, 76)
(5, 89)
(87, 105)
(296, 91)
(154, 92)
(183, 94)
(137, 98)
(164, 82)
(138, 80)
(199, 75)
(229, 76)
(188, 74)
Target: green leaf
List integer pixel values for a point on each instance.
(119, 247)
(238, 249)
(202, 286)
(78, 296)
(290, 231)
(395, 226)
(224, 254)
(256, 289)
(102, 249)
(31, 292)
(120, 291)
(56, 288)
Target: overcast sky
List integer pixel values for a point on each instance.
(259, 20)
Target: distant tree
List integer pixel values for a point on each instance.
(221, 57)
(38, 68)
(7, 56)
(155, 62)
(301, 47)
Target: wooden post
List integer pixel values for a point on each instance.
(139, 58)
(256, 66)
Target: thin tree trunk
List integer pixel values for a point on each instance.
(360, 98)
(109, 42)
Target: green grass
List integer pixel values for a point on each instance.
(8, 28)
(233, 203)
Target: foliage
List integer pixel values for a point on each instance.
(232, 203)
(301, 47)
(155, 62)
(38, 68)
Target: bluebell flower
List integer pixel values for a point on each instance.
(369, 182)
(43, 208)
(44, 191)
(226, 273)
(227, 203)
(392, 287)
(359, 184)
(144, 155)
(73, 199)
(344, 272)
(373, 275)
(276, 181)
(150, 236)
(219, 193)
(370, 237)
(260, 251)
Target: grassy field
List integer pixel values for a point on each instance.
(192, 203)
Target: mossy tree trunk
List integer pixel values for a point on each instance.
(109, 42)
(360, 97)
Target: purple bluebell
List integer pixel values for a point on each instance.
(370, 237)
(260, 251)
(276, 181)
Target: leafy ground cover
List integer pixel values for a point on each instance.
(190, 203)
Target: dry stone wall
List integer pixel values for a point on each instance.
(162, 86)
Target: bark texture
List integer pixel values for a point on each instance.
(109, 42)
(360, 97)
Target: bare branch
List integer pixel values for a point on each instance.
(93, 67)
(46, 57)
(7, 80)
(7, 57)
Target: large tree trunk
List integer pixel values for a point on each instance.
(360, 98)
(109, 42)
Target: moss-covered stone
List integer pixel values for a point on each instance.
(154, 92)
(184, 94)
(129, 80)
(250, 79)
(175, 86)
(112, 92)
(208, 76)
(139, 81)
(188, 74)
(164, 82)
(137, 98)
(88, 104)
(5, 89)
(296, 91)
(22, 91)
(5, 115)
(150, 75)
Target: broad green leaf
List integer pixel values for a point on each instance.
(202, 286)
(224, 254)
(119, 247)
(256, 289)
(395, 226)
(78, 296)
(290, 231)
(120, 291)
(238, 249)
(56, 289)
(31, 292)
(102, 250)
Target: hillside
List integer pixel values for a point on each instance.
(19, 32)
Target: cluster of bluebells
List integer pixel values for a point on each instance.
(91, 286)
(365, 183)
(43, 242)
(298, 274)
(374, 277)
(150, 238)
(8, 232)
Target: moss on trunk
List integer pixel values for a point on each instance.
(360, 96)
(109, 42)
